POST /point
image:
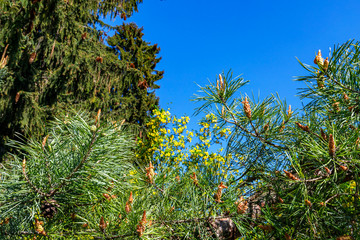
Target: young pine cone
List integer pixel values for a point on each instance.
(49, 208)
(247, 108)
(291, 176)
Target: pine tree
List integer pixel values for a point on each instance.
(68, 182)
(57, 59)
(303, 167)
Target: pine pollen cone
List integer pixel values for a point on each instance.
(345, 237)
(194, 178)
(17, 97)
(308, 203)
(143, 219)
(150, 173)
(4, 59)
(323, 135)
(289, 112)
(102, 224)
(5, 221)
(318, 59)
(44, 142)
(247, 108)
(332, 147)
(327, 170)
(140, 228)
(219, 192)
(344, 168)
(107, 196)
(291, 176)
(222, 110)
(131, 198)
(220, 84)
(39, 228)
(24, 165)
(242, 205)
(326, 64)
(97, 118)
(127, 207)
(304, 128)
(282, 127)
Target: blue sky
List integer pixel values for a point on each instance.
(258, 39)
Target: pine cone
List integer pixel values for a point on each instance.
(49, 208)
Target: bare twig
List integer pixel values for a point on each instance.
(315, 179)
(336, 195)
(195, 219)
(115, 237)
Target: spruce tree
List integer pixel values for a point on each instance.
(140, 55)
(58, 59)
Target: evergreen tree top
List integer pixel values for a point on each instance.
(57, 58)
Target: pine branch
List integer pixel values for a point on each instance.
(256, 134)
(28, 180)
(62, 184)
(195, 219)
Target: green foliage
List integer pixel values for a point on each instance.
(63, 180)
(83, 173)
(57, 60)
(317, 195)
(141, 56)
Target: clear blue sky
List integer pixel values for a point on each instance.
(258, 39)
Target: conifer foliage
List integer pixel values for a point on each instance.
(67, 181)
(284, 175)
(140, 56)
(56, 57)
(304, 168)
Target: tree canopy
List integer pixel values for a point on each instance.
(57, 58)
